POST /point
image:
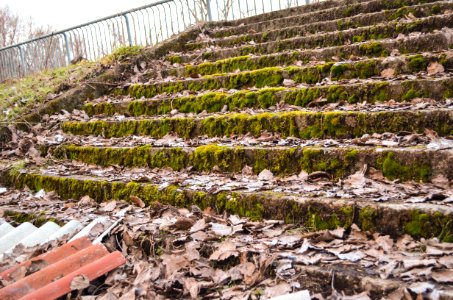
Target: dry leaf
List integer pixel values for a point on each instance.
(388, 73)
(435, 68)
(266, 175)
(224, 251)
(183, 223)
(444, 276)
(80, 282)
(137, 201)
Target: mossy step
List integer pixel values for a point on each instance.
(299, 124)
(230, 62)
(395, 219)
(402, 163)
(375, 32)
(274, 76)
(344, 17)
(371, 92)
(295, 27)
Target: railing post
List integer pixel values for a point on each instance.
(208, 7)
(128, 28)
(68, 50)
(22, 59)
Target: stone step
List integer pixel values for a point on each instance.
(429, 42)
(302, 124)
(392, 217)
(266, 98)
(326, 23)
(312, 74)
(393, 9)
(413, 163)
(411, 46)
(347, 8)
(391, 29)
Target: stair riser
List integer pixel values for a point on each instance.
(267, 98)
(272, 77)
(312, 20)
(296, 124)
(394, 220)
(288, 28)
(411, 164)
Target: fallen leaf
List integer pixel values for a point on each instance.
(221, 229)
(388, 73)
(444, 276)
(435, 68)
(109, 206)
(224, 250)
(86, 201)
(183, 223)
(137, 201)
(278, 290)
(447, 261)
(80, 282)
(266, 175)
(199, 225)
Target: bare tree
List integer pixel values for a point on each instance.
(14, 29)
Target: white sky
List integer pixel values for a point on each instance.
(61, 14)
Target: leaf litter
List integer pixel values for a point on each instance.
(228, 257)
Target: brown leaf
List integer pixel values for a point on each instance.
(388, 73)
(224, 251)
(445, 276)
(266, 175)
(447, 261)
(435, 68)
(191, 285)
(86, 201)
(280, 289)
(80, 282)
(137, 201)
(174, 263)
(199, 225)
(183, 223)
(109, 206)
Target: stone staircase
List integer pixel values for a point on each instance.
(325, 115)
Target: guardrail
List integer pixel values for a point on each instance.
(144, 26)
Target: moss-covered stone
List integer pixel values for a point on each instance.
(404, 165)
(300, 124)
(314, 215)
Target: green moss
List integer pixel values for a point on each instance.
(411, 94)
(174, 59)
(299, 124)
(358, 38)
(16, 168)
(367, 218)
(371, 49)
(36, 219)
(392, 169)
(121, 54)
(417, 63)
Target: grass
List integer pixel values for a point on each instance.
(21, 96)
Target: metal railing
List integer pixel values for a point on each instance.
(144, 26)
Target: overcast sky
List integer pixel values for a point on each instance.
(62, 14)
